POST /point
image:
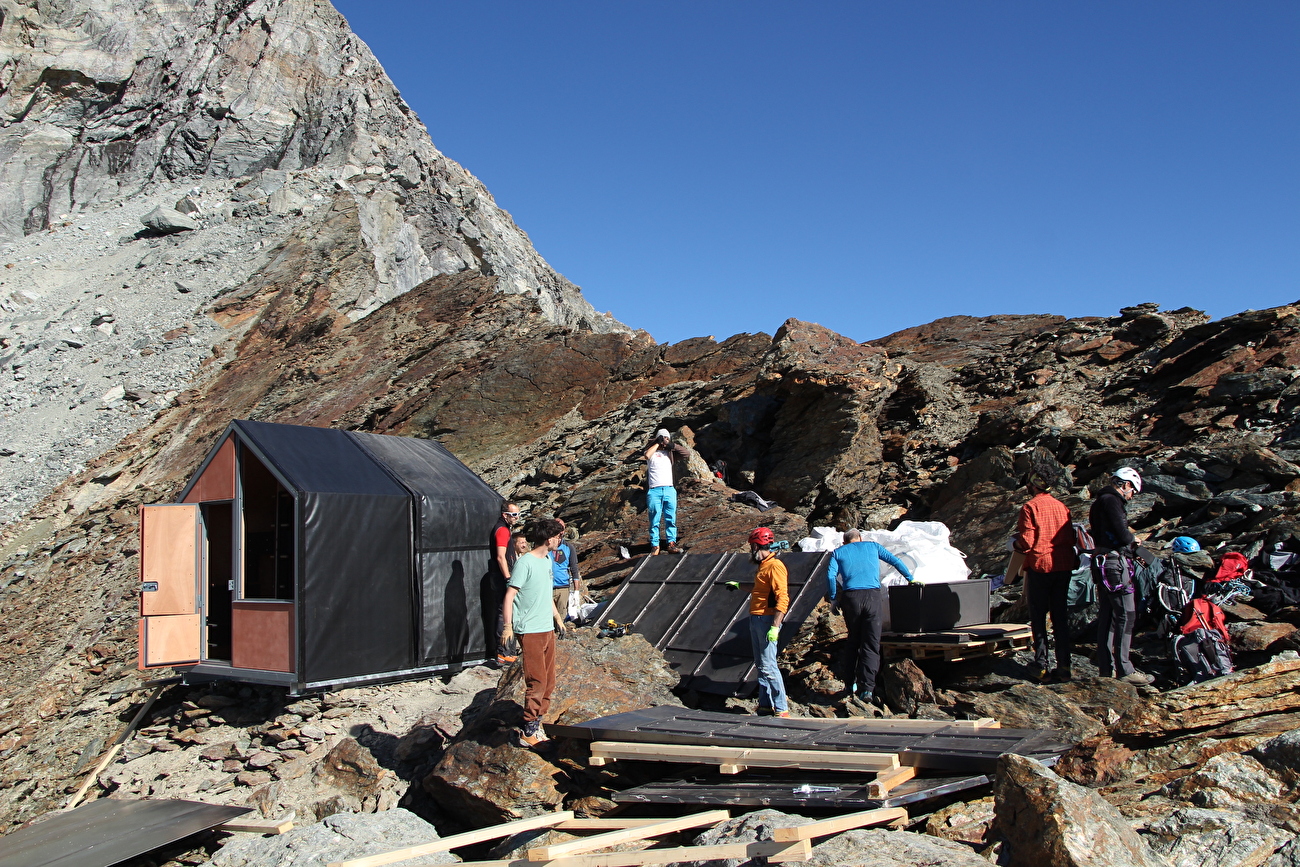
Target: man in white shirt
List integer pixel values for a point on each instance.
(661, 495)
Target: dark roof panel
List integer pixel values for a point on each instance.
(319, 460)
(456, 509)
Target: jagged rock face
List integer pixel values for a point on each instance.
(100, 100)
(1048, 820)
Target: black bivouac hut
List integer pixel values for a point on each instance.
(314, 558)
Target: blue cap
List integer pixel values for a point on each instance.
(1184, 545)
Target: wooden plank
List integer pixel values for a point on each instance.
(800, 850)
(884, 782)
(259, 826)
(839, 825)
(822, 760)
(605, 824)
(627, 835)
(482, 835)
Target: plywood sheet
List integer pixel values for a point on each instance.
(218, 479)
(170, 639)
(262, 636)
(169, 558)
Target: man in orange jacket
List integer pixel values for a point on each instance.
(767, 606)
(1045, 535)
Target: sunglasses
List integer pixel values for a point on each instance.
(511, 514)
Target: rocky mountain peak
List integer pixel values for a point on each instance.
(102, 102)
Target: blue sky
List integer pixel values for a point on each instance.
(716, 167)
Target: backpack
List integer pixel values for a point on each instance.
(1232, 566)
(1083, 543)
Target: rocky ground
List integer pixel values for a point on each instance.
(334, 269)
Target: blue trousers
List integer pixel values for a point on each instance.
(662, 502)
(771, 690)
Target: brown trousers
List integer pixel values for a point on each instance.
(539, 673)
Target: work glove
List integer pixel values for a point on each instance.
(835, 606)
(773, 633)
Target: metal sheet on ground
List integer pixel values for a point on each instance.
(107, 831)
(947, 748)
(756, 789)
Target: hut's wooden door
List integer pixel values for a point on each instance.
(171, 603)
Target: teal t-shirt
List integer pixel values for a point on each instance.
(531, 576)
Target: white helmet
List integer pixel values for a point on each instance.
(1128, 474)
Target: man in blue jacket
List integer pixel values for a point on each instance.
(856, 565)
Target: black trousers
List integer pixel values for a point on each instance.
(1049, 593)
(497, 588)
(863, 615)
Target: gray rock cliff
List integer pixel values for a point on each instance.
(103, 100)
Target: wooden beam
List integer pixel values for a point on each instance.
(258, 826)
(809, 760)
(888, 780)
(800, 850)
(839, 825)
(627, 835)
(612, 823)
(482, 835)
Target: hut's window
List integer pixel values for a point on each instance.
(268, 532)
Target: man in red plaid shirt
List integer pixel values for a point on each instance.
(1046, 537)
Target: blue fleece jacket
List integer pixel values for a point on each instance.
(860, 564)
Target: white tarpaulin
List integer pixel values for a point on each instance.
(924, 547)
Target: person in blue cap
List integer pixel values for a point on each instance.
(856, 565)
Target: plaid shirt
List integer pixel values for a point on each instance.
(1045, 535)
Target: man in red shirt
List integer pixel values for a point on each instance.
(503, 558)
(1046, 537)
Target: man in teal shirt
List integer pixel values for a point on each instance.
(856, 564)
(530, 613)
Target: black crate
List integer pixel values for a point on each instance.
(938, 607)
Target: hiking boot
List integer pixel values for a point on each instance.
(531, 735)
(785, 714)
(1061, 675)
(673, 549)
(763, 711)
(1038, 673)
(654, 551)
(1138, 678)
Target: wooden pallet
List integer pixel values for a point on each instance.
(960, 635)
(956, 646)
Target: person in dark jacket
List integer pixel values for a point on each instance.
(1108, 523)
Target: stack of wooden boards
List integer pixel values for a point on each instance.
(808, 762)
(957, 645)
(788, 844)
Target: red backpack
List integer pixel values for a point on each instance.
(1232, 566)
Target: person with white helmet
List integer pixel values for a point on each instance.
(1116, 617)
